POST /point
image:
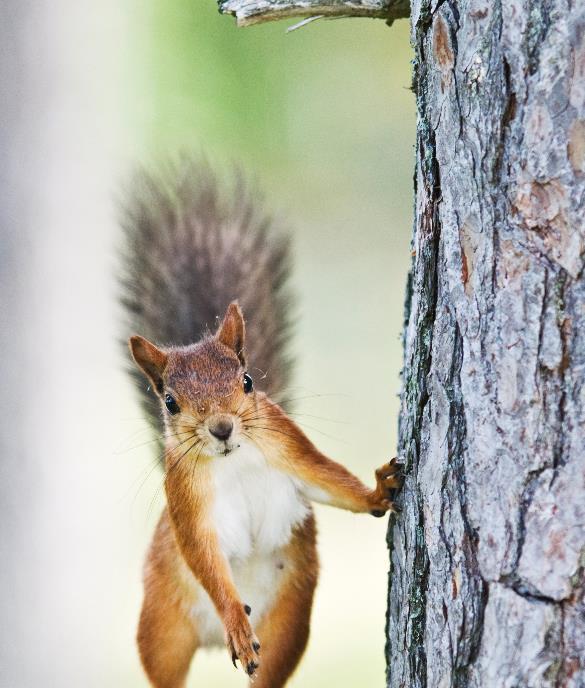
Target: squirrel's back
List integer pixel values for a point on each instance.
(192, 247)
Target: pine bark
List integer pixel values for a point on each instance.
(486, 587)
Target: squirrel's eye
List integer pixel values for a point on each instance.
(171, 404)
(248, 383)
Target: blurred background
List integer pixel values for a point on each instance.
(323, 118)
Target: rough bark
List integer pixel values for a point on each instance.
(248, 12)
(487, 559)
(486, 585)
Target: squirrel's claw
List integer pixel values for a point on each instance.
(389, 478)
(388, 506)
(392, 482)
(390, 468)
(242, 643)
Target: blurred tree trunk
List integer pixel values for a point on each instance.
(487, 558)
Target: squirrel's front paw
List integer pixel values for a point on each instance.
(241, 642)
(388, 479)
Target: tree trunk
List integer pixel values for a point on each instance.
(486, 584)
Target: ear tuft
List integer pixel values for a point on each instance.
(232, 331)
(150, 359)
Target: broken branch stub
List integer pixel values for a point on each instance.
(248, 12)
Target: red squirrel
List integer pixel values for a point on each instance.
(233, 560)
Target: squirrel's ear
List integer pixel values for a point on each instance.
(151, 359)
(232, 331)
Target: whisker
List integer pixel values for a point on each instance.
(261, 427)
(156, 463)
(154, 439)
(257, 409)
(167, 473)
(184, 453)
(202, 445)
(154, 499)
(312, 396)
(149, 469)
(268, 403)
(300, 423)
(303, 415)
(309, 415)
(283, 456)
(264, 373)
(240, 406)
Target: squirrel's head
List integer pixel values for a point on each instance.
(204, 389)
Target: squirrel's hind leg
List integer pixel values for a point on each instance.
(167, 636)
(284, 630)
(283, 635)
(167, 642)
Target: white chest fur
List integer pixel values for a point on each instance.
(255, 506)
(254, 510)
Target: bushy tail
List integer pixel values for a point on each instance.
(192, 248)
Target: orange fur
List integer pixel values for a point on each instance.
(187, 560)
(166, 639)
(287, 447)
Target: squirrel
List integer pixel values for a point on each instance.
(233, 560)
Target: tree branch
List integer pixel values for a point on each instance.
(248, 12)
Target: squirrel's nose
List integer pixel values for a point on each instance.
(221, 428)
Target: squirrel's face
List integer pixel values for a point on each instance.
(205, 392)
(204, 389)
